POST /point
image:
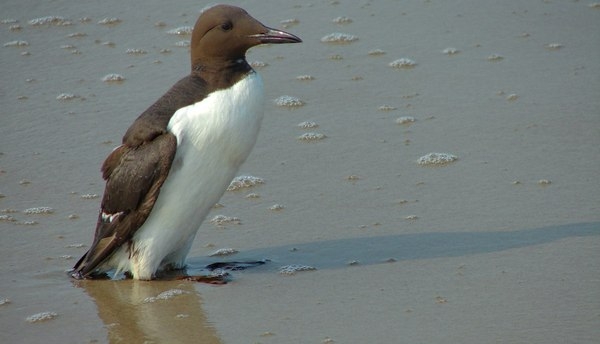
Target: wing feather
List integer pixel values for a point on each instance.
(134, 176)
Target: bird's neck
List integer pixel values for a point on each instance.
(222, 74)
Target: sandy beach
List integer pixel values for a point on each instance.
(367, 235)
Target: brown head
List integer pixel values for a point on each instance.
(224, 33)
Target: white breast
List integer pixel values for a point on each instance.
(214, 137)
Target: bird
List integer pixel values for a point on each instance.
(179, 156)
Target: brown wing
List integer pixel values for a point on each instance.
(134, 176)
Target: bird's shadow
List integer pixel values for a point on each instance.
(333, 254)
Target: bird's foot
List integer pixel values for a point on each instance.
(209, 279)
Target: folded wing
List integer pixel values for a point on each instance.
(134, 176)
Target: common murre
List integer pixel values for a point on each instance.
(178, 157)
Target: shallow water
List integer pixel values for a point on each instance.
(500, 245)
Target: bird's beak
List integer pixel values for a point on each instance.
(276, 37)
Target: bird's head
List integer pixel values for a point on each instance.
(224, 33)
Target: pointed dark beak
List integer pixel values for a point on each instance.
(276, 37)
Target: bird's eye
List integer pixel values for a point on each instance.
(227, 26)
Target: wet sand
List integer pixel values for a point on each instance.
(500, 245)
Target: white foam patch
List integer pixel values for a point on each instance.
(294, 268)
(258, 64)
(305, 77)
(224, 252)
(180, 31)
(338, 37)
(18, 43)
(38, 210)
(27, 223)
(113, 77)
(495, 57)
(553, 46)
(43, 316)
(289, 22)
(308, 125)
(182, 44)
(77, 35)
(67, 96)
(242, 182)
(386, 108)
(403, 63)
(310, 137)
(109, 21)
(405, 120)
(50, 20)
(7, 218)
(276, 207)
(222, 220)
(288, 101)
(342, 20)
(132, 51)
(450, 51)
(433, 159)
(376, 52)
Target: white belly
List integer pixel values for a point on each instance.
(214, 137)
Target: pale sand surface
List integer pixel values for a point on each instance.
(477, 251)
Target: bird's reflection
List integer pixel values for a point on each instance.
(150, 311)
